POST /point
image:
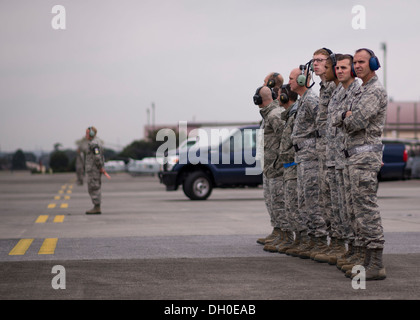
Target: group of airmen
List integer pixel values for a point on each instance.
(321, 157)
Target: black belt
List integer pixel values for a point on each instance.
(364, 148)
(321, 133)
(304, 143)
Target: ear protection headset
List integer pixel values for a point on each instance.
(258, 99)
(284, 97)
(333, 60)
(301, 79)
(272, 82)
(91, 132)
(352, 72)
(373, 61)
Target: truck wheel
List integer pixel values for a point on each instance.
(197, 186)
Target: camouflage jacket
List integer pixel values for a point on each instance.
(304, 129)
(94, 155)
(335, 136)
(325, 93)
(365, 126)
(287, 151)
(273, 130)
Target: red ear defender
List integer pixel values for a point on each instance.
(352, 71)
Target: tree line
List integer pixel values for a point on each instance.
(65, 160)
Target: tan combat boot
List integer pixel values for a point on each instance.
(287, 243)
(374, 268)
(298, 245)
(326, 251)
(305, 252)
(366, 261)
(270, 237)
(271, 246)
(321, 247)
(95, 210)
(338, 249)
(299, 239)
(356, 259)
(345, 258)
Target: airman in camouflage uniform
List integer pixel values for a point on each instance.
(273, 80)
(340, 224)
(80, 160)
(342, 176)
(270, 111)
(327, 86)
(304, 140)
(363, 124)
(288, 99)
(94, 169)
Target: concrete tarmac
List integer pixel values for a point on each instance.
(150, 244)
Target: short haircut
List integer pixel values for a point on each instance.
(322, 51)
(371, 53)
(341, 57)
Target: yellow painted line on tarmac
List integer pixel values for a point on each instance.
(61, 191)
(21, 247)
(42, 219)
(68, 191)
(59, 218)
(71, 186)
(51, 206)
(66, 197)
(64, 205)
(57, 198)
(48, 246)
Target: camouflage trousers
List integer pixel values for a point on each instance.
(325, 196)
(338, 216)
(368, 223)
(274, 201)
(344, 202)
(80, 174)
(291, 205)
(308, 198)
(94, 186)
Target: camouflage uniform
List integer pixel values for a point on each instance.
(337, 162)
(336, 227)
(304, 140)
(363, 144)
(287, 157)
(94, 162)
(273, 168)
(325, 204)
(80, 160)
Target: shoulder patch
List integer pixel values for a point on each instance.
(96, 150)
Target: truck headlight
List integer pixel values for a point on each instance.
(171, 161)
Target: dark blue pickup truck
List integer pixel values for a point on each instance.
(395, 158)
(229, 164)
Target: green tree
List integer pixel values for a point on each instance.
(59, 161)
(140, 149)
(19, 160)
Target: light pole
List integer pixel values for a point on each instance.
(153, 116)
(383, 46)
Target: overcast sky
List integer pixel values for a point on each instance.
(194, 59)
